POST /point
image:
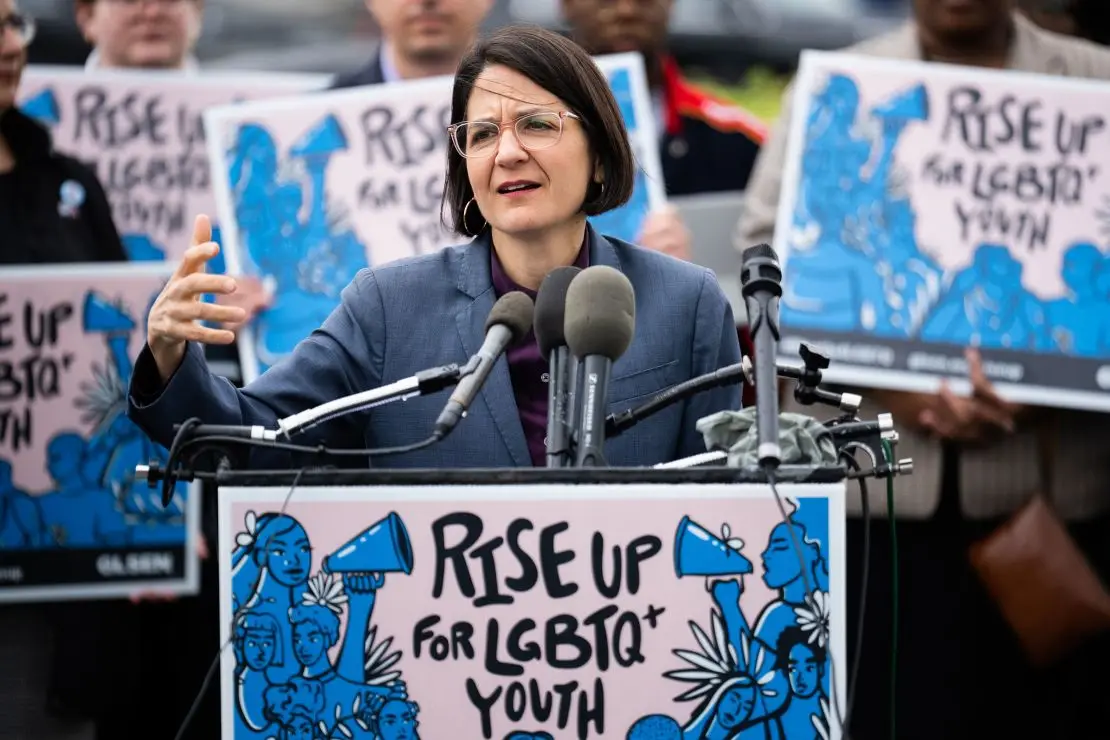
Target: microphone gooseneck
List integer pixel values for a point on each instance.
(551, 301)
(599, 323)
(761, 287)
(509, 322)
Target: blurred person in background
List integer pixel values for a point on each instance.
(706, 144)
(1052, 15)
(141, 34)
(147, 682)
(419, 38)
(33, 179)
(1086, 19)
(976, 460)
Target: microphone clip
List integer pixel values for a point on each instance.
(807, 388)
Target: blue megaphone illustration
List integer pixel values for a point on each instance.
(323, 139)
(141, 248)
(699, 553)
(42, 107)
(102, 316)
(911, 105)
(383, 547)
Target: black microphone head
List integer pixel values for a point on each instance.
(760, 270)
(551, 300)
(759, 251)
(513, 310)
(600, 313)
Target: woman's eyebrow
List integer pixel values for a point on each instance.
(517, 114)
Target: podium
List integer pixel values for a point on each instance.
(532, 603)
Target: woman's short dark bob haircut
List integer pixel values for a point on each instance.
(565, 70)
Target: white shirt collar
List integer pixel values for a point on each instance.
(389, 69)
(190, 66)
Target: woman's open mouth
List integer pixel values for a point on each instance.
(517, 187)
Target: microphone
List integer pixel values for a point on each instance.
(423, 383)
(509, 321)
(600, 320)
(761, 286)
(617, 423)
(551, 301)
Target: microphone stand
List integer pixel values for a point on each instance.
(423, 382)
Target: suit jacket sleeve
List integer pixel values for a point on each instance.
(342, 357)
(715, 345)
(761, 198)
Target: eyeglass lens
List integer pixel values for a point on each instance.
(537, 131)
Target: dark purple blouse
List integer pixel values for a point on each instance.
(528, 367)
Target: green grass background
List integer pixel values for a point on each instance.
(760, 92)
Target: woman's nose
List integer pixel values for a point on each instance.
(508, 146)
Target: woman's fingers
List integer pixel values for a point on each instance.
(197, 284)
(195, 258)
(214, 312)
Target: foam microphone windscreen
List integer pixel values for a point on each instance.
(513, 310)
(551, 300)
(600, 314)
(759, 251)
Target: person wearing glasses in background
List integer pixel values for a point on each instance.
(148, 681)
(141, 34)
(35, 231)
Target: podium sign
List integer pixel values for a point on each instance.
(532, 611)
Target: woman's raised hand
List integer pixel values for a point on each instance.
(176, 316)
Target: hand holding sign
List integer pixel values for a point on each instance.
(250, 295)
(664, 231)
(977, 419)
(176, 316)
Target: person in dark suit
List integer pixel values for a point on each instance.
(419, 39)
(52, 211)
(530, 110)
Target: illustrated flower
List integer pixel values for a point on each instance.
(717, 662)
(823, 722)
(324, 589)
(813, 618)
(246, 539)
(104, 397)
(735, 543)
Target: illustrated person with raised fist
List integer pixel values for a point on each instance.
(537, 145)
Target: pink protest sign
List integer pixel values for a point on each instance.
(927, 208)
(74, 522)
(143, 133)
(521, 612)
(313, 190)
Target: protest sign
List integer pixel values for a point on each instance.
(314, 190)
(74, 522)
(532, 611)
(927, 208)
(143, 134)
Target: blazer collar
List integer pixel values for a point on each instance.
(473, 272)
(475, 281)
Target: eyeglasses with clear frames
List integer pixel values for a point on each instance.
(534, 131)
(22, 25)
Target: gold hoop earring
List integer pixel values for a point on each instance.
(466, 218)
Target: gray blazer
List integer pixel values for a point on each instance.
(996, 480)
(428, 311)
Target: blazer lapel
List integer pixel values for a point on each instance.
(497, 392)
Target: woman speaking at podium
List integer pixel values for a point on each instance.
(537, 145)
